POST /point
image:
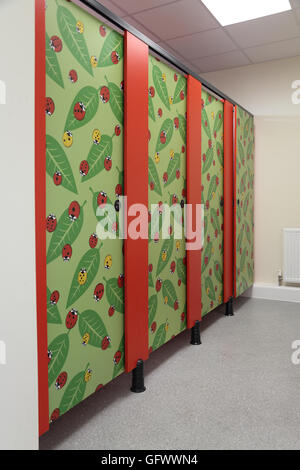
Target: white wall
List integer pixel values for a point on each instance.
(266, 90)
(18, 378)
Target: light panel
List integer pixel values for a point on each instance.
(236, 11)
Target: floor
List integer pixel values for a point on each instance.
(238, 390)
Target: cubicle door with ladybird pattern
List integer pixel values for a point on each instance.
(212, 198)
(167, 185)
(84, 163)
(244, 200)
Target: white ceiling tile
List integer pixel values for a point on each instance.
(222, 61)
(133, 6)
(203, 44)
(141, 28)
(276, 50)
(112, 7)
(264, 30)
(177, 19)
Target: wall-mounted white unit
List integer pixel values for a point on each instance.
(291, 255)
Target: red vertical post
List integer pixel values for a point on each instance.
(194, 108)
(40, 214)
(136, 190)
(234, 199)
(228, 201)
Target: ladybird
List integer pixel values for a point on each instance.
(67, 139)
(159, 112)
(105, 342)
(158, 285)
(151, 185)
(49, 355)
(98, 292)
(165, 177)
(117, 357)
(177, 174)
(104, 94)
(175, 77)
(115, 57)
(55, 415)
(111, 310)
(56, 44)
(96, 136)
(182, 95)
(67, 252)
(50, 106)
(73, 76)
(108, 163)
(117, 130)
(122, 85)
(172, 267)
(79, 111)
(150, 268)
(119, 190)
(163, 137)
(121, 280)
(176, 123)
(108, 262)
(182, 317)
(84, 168)
(102, 199)
(57, 178)
(79, 27)
(71, 318)
(174, 199)
(61, 380)
(51, 223)
(93, 240)
(152, 92)
(94, 61)
(82, 277)
(88, 375)
(85, 339)
(153, 327)
(117, 205)
(100, 386)
(74, 210)
(54, 297)
(102, 30)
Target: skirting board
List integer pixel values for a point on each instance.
(273, 292)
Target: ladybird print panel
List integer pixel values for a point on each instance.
(212, 198)
(244, 200)
(84, 163)
(167, 186)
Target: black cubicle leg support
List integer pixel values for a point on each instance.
(229, 308)
(195, 335)
(138, 378)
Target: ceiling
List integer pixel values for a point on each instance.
(189, 31)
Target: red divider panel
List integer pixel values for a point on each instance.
(40, 214)
(228, 201)
(136, 190)
(234, 200)
(194, 108)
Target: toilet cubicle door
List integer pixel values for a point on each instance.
(212, 197)
(84, 164)
(167, 185)
(243, 201)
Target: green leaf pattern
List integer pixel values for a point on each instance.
(79, 349)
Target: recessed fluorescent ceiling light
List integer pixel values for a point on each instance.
(236, 11)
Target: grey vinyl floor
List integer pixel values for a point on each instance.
(238, 390)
